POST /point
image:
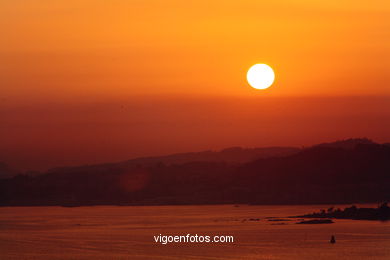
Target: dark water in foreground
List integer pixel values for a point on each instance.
(114, 232)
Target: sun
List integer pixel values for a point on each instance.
(260, 76)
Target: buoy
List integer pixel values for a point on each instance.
(332, 240)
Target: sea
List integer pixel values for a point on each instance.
(129, 232)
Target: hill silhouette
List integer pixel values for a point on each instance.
(232, 155)
(347, 143)
(320, 174)
(6, 171)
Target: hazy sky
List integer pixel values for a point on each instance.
(87, 81)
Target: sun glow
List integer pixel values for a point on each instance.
(260, 76)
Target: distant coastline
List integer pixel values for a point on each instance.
(343, 172)
(382, 212)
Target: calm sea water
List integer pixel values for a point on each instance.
(115, 232)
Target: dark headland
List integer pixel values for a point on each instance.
(382, 212)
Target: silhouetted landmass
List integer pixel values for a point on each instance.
(315, 175)
(278, 219)
(316, 221)
(231, 155)
(6, 171)
(353, 212)
(347, 143)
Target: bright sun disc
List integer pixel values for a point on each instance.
(260, 76)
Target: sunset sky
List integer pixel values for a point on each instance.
(87, 81)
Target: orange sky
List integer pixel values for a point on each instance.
(97, 48)
(71, 64)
